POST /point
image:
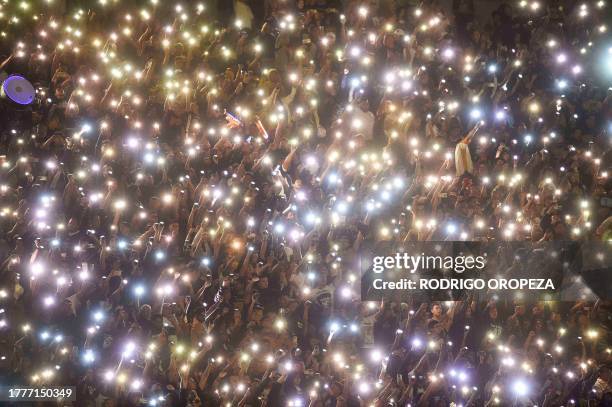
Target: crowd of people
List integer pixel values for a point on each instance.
(183, 205)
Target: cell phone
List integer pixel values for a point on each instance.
(606, 202)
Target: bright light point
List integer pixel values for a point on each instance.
(376, 355)
(89, 356)
(520, 388)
